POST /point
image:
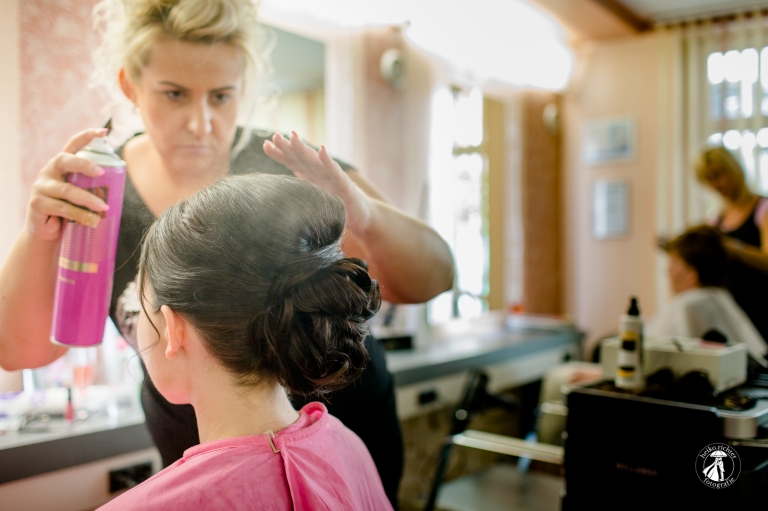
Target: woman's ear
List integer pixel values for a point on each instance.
(127, 85)
(175, 332)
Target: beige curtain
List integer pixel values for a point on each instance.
(695, 113)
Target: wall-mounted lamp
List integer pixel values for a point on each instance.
(392, 68)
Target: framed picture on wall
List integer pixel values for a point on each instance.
(610, 140)
(610, 209)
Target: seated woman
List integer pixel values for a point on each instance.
(244, 301)
(698, 262)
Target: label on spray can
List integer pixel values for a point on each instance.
(87, 256)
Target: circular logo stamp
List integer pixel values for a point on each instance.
(718, 466)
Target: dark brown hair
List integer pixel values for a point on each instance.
(702, 248)
(254, 263)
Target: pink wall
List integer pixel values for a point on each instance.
(614, 79)
(11, 201)
(57, 43)
(45, 55)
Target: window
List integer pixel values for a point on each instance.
(738, 86)
(458, 200)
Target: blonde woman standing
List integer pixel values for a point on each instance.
(191, 68)
(744, 222)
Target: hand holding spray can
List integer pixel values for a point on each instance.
(87, 255)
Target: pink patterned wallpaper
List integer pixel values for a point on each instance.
(56, 59)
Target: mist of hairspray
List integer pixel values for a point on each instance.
(87, 256)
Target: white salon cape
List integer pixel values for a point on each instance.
(694, 312)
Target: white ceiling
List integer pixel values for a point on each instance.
(665, 10)
(478, 41)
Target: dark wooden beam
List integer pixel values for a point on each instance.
(720, 18)
(625, 14)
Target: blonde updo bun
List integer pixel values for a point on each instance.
(130, 28)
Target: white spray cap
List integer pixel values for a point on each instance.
(100, 144)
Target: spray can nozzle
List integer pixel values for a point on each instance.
(100, 144)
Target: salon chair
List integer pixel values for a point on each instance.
(497, 479)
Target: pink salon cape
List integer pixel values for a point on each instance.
(321, 465)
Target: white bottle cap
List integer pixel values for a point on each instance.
(100, 145)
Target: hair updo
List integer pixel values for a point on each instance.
(254, 263)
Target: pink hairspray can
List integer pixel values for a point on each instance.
(87, 256)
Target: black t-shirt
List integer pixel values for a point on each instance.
(747, 284)
(367, 407)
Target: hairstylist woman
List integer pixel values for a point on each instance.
(189, 67)
(744, 221)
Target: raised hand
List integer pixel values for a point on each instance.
(320, 169)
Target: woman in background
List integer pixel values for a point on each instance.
(191, 68)
(242, 300)
(744, 222)
(698, 261)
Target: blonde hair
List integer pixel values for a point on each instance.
(130, 28)
(720, 158)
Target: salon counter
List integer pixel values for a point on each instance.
(67, 468)
(512, 354)
(470, 346)
(513, 351)
(26, 454)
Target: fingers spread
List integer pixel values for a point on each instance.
(297, 156)
(305, 161)
(327, 161)
(276, 154)
(281, 143)
(302, 150)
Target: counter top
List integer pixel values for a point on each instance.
(474, 349)
(26, 454)
(453, 348)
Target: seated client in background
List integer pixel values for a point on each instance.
(698, 261)
(244, 300)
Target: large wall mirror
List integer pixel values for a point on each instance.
(298, 65)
